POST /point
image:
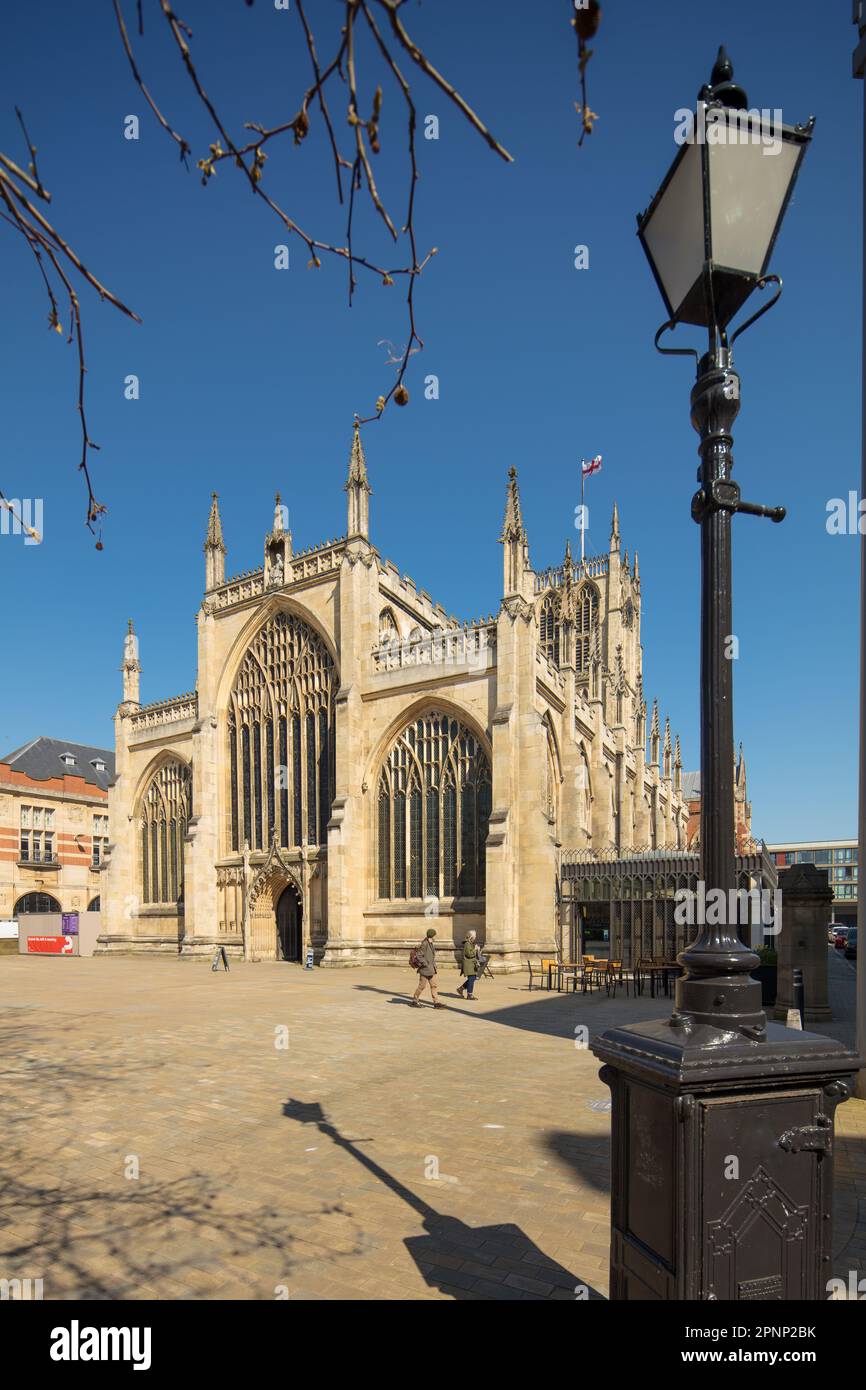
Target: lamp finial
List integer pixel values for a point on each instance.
(721, 87)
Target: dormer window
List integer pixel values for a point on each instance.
(98, 764)
(68, 759)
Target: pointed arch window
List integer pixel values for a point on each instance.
(165, 811)
(584, 791)
(388, 630)
(585, 625)
(433, 812)
(548, 629)
(551, 777)
(280, 733)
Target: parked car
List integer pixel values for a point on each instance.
(831, 932)
(841, 937)
(851, 944)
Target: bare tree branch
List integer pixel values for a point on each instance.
(45, 241)
(586, 22)
(250, 156)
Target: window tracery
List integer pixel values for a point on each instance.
(281, 738)
(165, 812)
(433, 809)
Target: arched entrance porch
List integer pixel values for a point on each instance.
(276, 914)
(290, 928)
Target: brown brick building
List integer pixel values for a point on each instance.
(742, 807)
(53, 827)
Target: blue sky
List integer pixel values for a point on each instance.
(250, 377)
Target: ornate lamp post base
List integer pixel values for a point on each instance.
(722, 1160)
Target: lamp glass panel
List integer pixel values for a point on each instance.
(748, 186)
(674, 234)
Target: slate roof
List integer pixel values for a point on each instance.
(691, 786)
(41, 759)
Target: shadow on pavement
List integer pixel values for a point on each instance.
(466, 1262)
(554, 1015)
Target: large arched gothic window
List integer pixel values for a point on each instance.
(165, 812)
(548, 629)
(585, 621)
(281, 738)
(433, 810)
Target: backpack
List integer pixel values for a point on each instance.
(414, 962)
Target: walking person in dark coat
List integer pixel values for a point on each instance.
(425, 955)
(471, 966)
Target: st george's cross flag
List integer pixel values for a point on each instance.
(594, 466)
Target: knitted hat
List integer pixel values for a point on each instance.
(431, 931)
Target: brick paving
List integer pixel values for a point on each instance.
(159, 1140)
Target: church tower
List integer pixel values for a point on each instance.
(742, 805)
(214, 550)
(358, 489)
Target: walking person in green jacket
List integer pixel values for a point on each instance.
(471, 968)
(425, 957)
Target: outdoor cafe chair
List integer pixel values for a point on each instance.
(614, 976)
(591, 973)
(536, 972)
(642, 971)
(549, 967)
(565, 972)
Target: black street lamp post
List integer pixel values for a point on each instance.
(722, 1124)
(859, 65)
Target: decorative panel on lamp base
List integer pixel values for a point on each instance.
(721, 1161)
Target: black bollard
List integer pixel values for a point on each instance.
(798, 993)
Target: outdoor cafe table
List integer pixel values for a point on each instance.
(652, 972)
(559, 965)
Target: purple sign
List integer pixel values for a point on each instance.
(69, 921)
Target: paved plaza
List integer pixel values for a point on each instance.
(172, 1133)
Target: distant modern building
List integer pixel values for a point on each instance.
(53, 827)
(839, 858)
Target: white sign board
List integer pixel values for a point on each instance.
(8, 931)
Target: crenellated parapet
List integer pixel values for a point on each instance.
(402, 590)
(163, 712)
(594, 567)
(469, 647)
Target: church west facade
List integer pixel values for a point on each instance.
(355, 765)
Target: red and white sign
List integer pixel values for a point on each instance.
(51, 945)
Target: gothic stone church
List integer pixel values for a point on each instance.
(354, 764)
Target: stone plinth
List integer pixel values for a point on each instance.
(807, 900)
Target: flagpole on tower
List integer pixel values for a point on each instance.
(582, 510)
(586, 471)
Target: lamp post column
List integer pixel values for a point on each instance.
(859, 66)
(715, 404)
(716, 987)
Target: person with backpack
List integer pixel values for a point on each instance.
(471, 965)
(423, 959)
